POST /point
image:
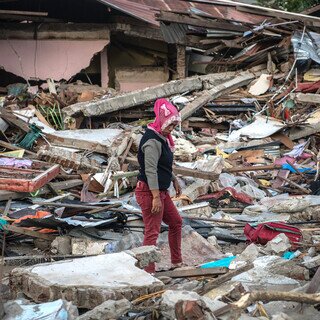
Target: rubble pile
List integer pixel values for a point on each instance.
(247, 158)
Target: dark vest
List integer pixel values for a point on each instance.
(165, 161)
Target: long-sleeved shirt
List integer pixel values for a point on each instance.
(155, 158)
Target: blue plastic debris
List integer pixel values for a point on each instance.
(225, 262)
(289, 255)
(287, 166)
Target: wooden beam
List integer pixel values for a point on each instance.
(64, 31)
(304, 190)
(14, 120)
(254, 168)
(254, 296)
(183, 171)
(13, 147)
(28, 232)
(197, 272)
(224, 221)
(224, 278)
(208, 95)
(24, 13)
(35, 19)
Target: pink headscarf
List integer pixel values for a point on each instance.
(166, 114)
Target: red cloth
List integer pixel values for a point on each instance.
(166, 113)
(152, 222)
(240, 196)
(265, 232)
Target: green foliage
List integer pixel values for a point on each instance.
(289, 5)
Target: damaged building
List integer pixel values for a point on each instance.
(78, 85)
(100, 42)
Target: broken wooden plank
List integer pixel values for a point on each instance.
(125, 154)
(183, 171)
(253, 168)
(14, 120)
(135, 98)
(7, 208)
(28, 232)
(13, 147)
(304, 190)
(208, 95)
(224, 221)
(25, 13)
(250, 298)
(224, 278)
(26, 180)
(196, 272)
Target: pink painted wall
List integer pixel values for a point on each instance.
(56, 59)
(104, 68)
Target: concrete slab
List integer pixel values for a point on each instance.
(87, 282)
(195, 249)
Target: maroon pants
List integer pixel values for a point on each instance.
(152, 222)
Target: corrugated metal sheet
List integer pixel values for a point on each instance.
(174, 32)
(146, 9)
(134, 9)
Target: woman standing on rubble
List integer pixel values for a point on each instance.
(155, 158)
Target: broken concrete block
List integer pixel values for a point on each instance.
(214, 241)
(171, 297)
(145, 255)
(289, 268)
(250, 253)
(198, 188)
(87, 282)
(127, 242)
(111, 309)
(248, 317)
(24, 310)
(263, 278)
(312, 262)
(187, 285)
(281, 316)
(189, 310)
(61, 245)
(184, 150)
(291, 309)
(279, 244)
(88, 247)
(196, 310)
(231, 290)
(195, 249)
(197, 210)
(68, 158)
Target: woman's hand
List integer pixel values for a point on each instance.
(156, 202)
(156, 205)
(177, 187)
